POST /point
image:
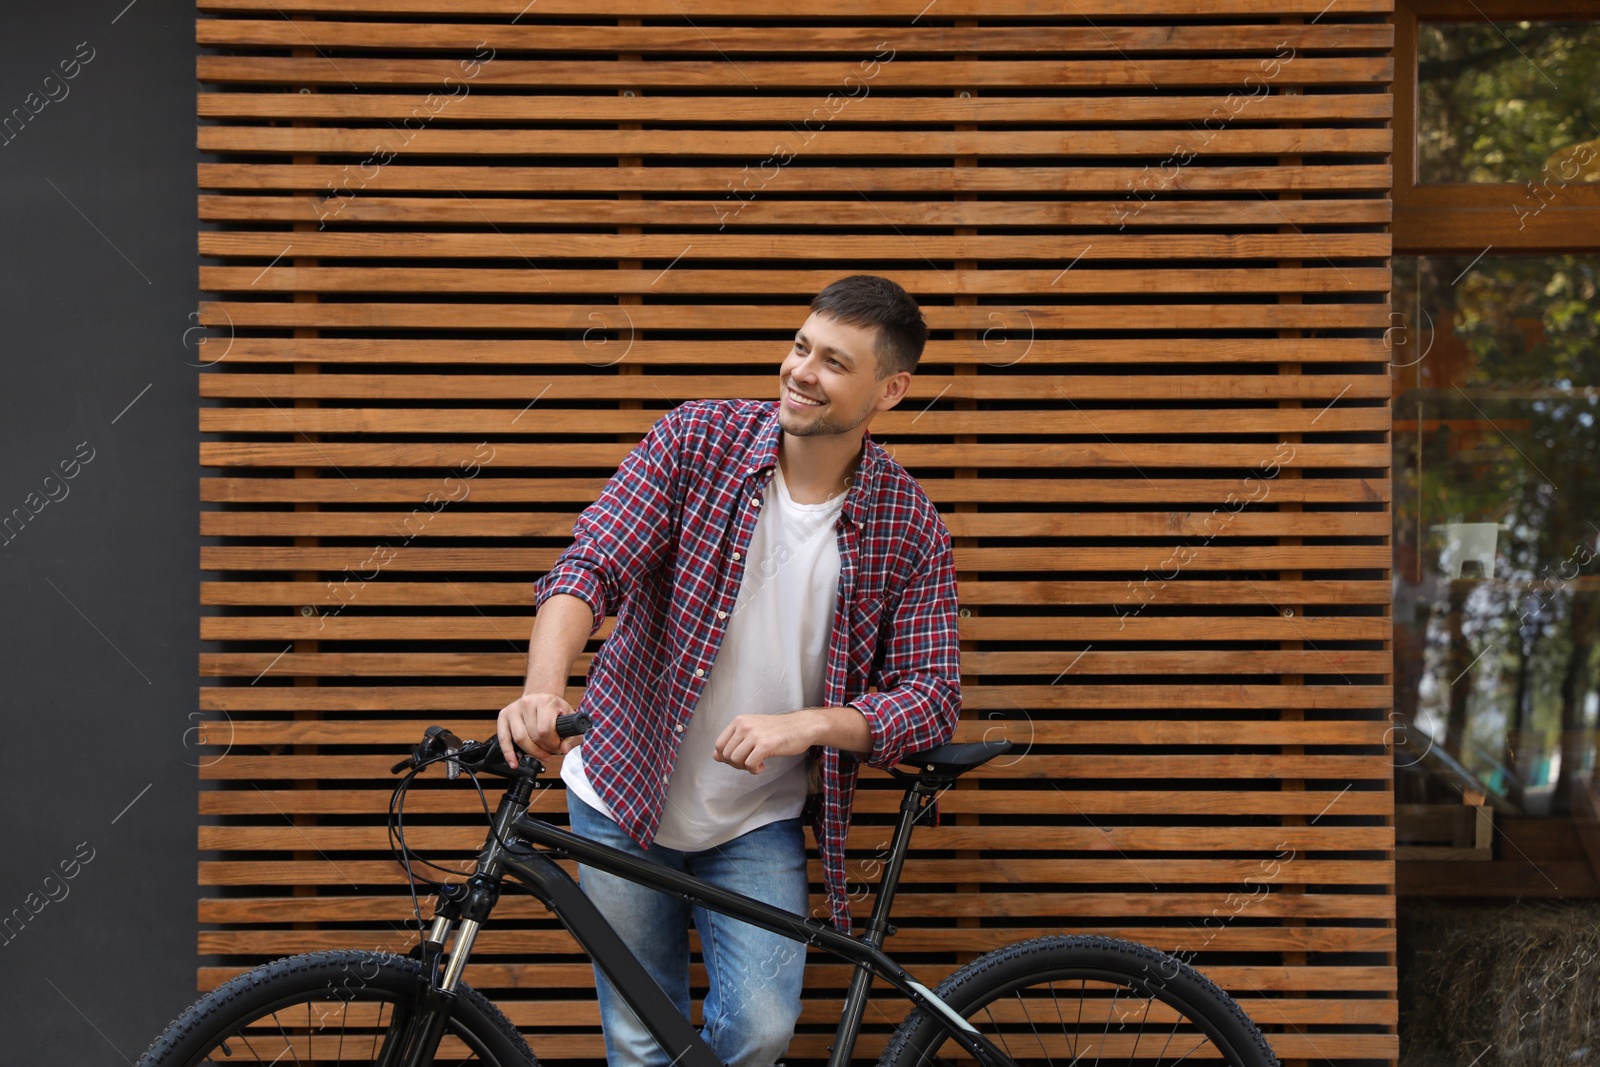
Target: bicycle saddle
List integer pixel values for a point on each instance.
(948, 762)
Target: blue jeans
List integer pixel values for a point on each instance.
(754, 976)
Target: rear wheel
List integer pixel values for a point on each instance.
(1055, 1001)
(340, 1008)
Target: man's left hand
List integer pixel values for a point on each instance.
(748, 741)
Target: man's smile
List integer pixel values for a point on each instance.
(800, 399)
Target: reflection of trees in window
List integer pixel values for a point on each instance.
(1498, 425)
(1508, 102)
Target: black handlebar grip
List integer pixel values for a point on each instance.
(572, 725)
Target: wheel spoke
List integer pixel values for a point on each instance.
(1170, 1035)
(1077, 1028)
(1036, 1035)
(1186, 1055)
(1139, 1034)
(1110, 1014)
(246, 1039)
(287, 1040)
(1001, 1034)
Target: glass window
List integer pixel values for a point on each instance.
(1497, 524)
(1508, 102)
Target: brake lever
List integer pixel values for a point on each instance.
(436, 741)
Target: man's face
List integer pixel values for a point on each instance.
(836, 365)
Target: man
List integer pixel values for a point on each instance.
(767, 561)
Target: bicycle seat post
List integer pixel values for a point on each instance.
(916, 801)
(918, 798)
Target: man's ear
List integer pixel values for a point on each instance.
(899, 386)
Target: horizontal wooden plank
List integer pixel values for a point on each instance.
(435, 664)
(1156, 560)
(467, 422)
(1027, 729)
(1195, 630)
(704, 354)
(239, 766)
(445, 517)
(1034, 215)
(1294, 594)
(778, 110)
(848, 181)
(1012, 323)
(490, 943)
(1210, 493)
(811, 40)
(1282, 594)
(1071, 389)
(870, 800)
(1018, 283)
(1283, 841)
(1047, 454)
(789, 248)
(488, 699)
(421, 629)
(825, 74)
(908, 145)
(819, 9)
(1171, 908)
(991, 871)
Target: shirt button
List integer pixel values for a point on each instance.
(698, 671)
(736, 555)
(722, 614)
(663, 781)
(756, 503)
(679, 727)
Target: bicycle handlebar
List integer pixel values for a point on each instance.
(481, 756)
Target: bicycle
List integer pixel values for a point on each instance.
(1055, 1001)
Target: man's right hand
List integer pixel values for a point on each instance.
(528, 723)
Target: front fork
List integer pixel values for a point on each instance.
(464, 907)
(416, 1029)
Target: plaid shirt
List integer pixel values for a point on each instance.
(664, 547)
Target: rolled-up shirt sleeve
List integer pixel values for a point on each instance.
(627, 531)
(919, 683)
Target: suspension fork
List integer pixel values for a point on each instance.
(465, 908)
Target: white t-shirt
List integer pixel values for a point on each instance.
(771, 661)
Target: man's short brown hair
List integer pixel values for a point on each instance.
(870, 302)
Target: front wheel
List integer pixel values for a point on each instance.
(345, 1008)
(1082, 1000)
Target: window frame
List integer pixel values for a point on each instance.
(1454, 218)
(1472, 219)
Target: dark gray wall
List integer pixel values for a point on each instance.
(100, 588)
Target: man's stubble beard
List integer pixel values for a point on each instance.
(822, 425)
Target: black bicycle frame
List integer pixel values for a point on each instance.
(558, 891)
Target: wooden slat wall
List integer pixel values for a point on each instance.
(474, 249)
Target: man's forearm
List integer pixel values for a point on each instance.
(843, 728)
(560, 631)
